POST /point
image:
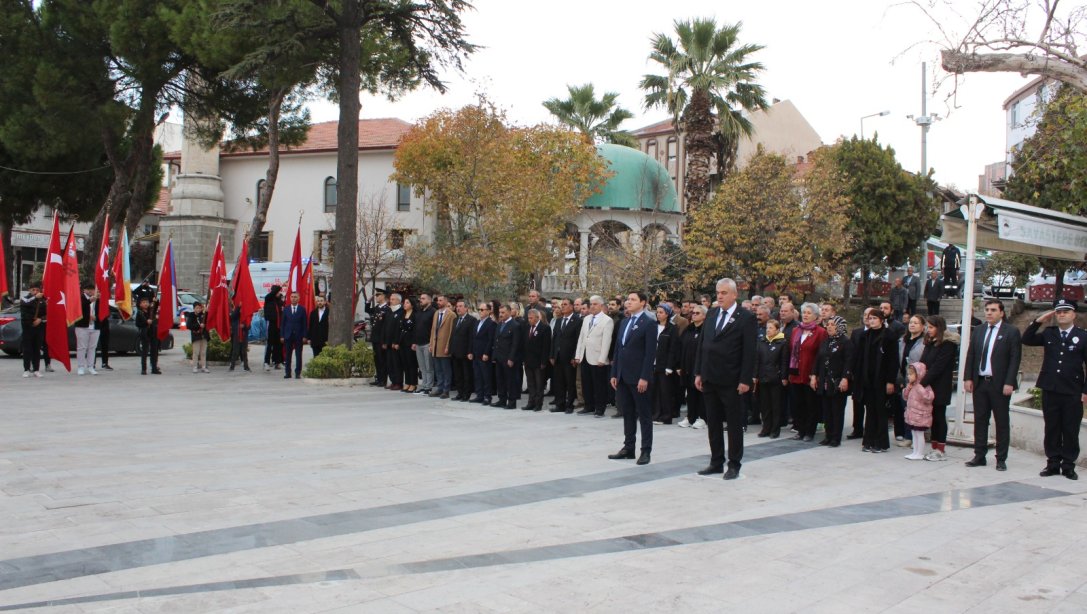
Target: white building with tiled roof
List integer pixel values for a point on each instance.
(216, 191)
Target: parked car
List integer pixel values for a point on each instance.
(123, 335)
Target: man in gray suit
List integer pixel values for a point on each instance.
(913, 290)
(992, 364)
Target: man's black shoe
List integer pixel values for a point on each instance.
(287, 376)
(623, 453)
(511, 405)
(444, 395)
(854, 436)
(586, 411)
(1000, 466)
(107, 367)
(528, 408)
(732, 474)
(643, 458)
(1048, 471)
(156, 372)
(711, 470)
(599, 414)
(499, 403)
(559, 410)
(476, 400)
(570, 410)
(977, 461)
(1070, 474)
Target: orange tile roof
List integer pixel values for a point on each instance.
(661, 127)
(162, 204)
(381, 133)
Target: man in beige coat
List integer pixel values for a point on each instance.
(441, 331)
(593, 346)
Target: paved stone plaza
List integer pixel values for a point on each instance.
(234, 492)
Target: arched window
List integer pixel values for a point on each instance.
(330, 195)
(260, 186)
(651, 149)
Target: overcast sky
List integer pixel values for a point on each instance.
(837, 61)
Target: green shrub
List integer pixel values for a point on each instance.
(218, 350)
(338, 362)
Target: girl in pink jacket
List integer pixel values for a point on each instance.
(918, 408)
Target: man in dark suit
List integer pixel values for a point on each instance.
(934, 291)
(992, 364)
(377, 310)
(631, 372)
(537, 358)
(509, 355)
(563, 346)
(482, 346)
(723, 368)
(858, 404)
(318, 326)
(292, 333)
(460, 347)
(1063, 384)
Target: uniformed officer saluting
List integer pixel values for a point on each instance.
(1063, 384)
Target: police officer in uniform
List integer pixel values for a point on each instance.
(378, 309)
(1063, 384)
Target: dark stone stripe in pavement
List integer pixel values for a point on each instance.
(917, 505)
(39, 569)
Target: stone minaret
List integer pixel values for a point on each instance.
(196, 214)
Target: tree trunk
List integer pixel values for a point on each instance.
(698, 124)
(264, 196)
(1025, 64)
(347, 175)
(1058, 288)
(130, 175)
(866, 292)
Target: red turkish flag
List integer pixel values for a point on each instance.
(294, 274)
(56, 315)
(167, 292)
(218, 318)
(101, 274)
(245, 296)
(74, 305)
(3, 273)
(306, 298)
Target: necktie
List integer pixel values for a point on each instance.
(440, 314)
(626, 331)
(534, 331)
(592, 322)
(1064, 336)
(985, 349)
(721, 319)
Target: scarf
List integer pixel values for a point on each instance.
(841, 326)
(780, 335)
(798, 334)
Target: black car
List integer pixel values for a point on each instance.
(123, 336)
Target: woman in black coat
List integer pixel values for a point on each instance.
(688, 351)
(409, 364)
(830, 379)
(665, 366)
(875, 369)
(939, 360)
(771, 377)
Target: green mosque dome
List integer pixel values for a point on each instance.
(638, 183)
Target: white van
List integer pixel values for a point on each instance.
(268, 274)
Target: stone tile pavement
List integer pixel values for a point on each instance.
(235, 492)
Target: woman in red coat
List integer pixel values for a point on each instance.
(803, 348)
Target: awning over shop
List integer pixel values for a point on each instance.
(1009, 226)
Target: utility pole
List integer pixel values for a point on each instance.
(924, 121)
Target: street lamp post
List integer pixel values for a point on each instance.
(924, 121)
(880, 114)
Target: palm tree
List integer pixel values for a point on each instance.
(708, 84)
(596, 119)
